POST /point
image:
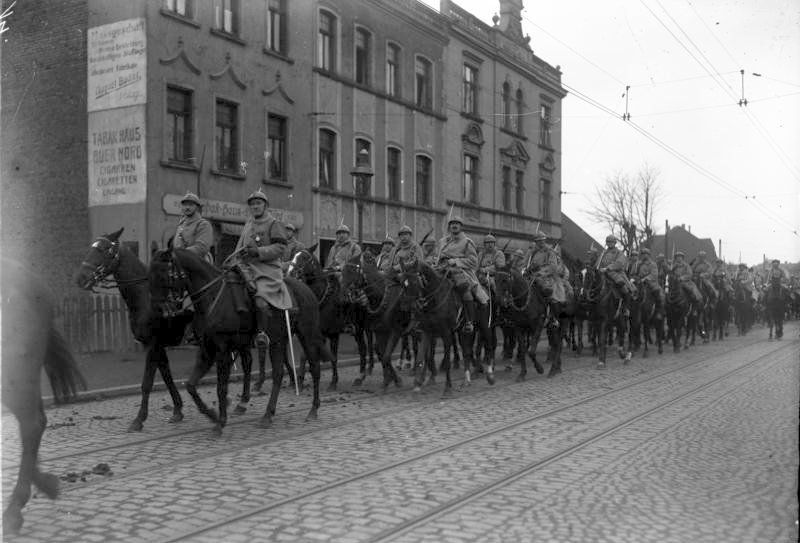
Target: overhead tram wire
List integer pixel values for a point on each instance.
(720, 81)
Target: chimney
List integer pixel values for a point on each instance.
(690, 228)
(683, 225)
(511, 17)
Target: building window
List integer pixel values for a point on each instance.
(276, 135)
(227, 16)
(393, 173)
(506, 188)
(520, 110)
(226, 140)
(470, 179)
(179, 124)
(276, 26)
(544, 125)
(423, 180)
(392, 70)
(507, 115)
(327, 159)
(363, 56)
(520, 192)
(363, 145)
(179, 7)
(470, 104)
(545, 199)
(326, 46)
(424, 83)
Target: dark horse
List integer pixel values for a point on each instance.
(605, 312)
(722, 310)
(155, 330)
(679, 311)
(744, 308)
(30, 342)
(644, 318)
(226, 322)
(436, 306)
(775, 307)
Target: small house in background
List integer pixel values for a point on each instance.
(683, 240)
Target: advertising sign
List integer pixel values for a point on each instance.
(117, 157)
(218, 210)
(117, 65)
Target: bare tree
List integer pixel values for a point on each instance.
(626, 205)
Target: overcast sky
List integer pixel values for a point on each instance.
(683, 69)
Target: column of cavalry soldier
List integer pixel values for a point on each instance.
(490, 259)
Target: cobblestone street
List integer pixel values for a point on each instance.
(699, 446)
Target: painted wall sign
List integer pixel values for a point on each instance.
(117, 65)
(228, 211)
(117, 156)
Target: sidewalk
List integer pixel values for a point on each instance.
(110, 374)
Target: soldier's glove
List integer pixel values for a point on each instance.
(251, 251)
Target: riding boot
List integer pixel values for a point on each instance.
(262, 319)
(469, 315)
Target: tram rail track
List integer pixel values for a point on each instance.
(404, 527)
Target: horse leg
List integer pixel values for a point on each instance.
(334, 343)
(277, 355)
(389, 373)
(150, 365)
(557, 346)
(314, 368)
(166, 376)
(362, 356)
(247, 368)
(203, 362)
(420, 368)
(522, 352)
(602, 332)
(262, 369)
(447, 341)
(224, 364)
(32, 422)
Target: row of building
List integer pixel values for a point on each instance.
(111, 111)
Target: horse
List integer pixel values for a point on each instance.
(227, 323)
(369, 291)
(721, 311)
(704, 313)
(679, 311)
(643, 319)
(744, 309)
(775, 307)
(155, 330)
(31, 342)
(606, 312)
(436, 306)
(583, 309)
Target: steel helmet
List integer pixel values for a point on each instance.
(680, 253)
(290, 226)
(539, 236)
(645, 251)
(611, 239)
(518, 252)
(405, 230)
(457, 219)
(701, 253)
(388, 241)
(343, 228)
(192, 197)
(489, 239)
(258, 195)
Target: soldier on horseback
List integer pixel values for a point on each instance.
(384, 262)
(613, 263)
(258, 256)
(342, 251)
(293, 245)
(429, 251)
(517, 262)
(683, 272)
(490, 260)
(194, 233)
(776, 279)
(458, 253)
(702, 274)
(633, 264)
(720, 273)
(406, 254)
(745, 280)
(548, 271)
(647, 274)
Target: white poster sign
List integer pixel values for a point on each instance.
(117, 158)
(117, 65)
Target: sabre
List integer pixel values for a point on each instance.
(291, 351)
(426, 237)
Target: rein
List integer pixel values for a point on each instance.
(421, 302)
(528, 296)
(103, 270)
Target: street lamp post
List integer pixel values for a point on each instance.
(362, 177)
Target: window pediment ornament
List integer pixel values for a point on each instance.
(473, 135)
(516, 154)
(181, 55)
(278, 87)
(548, 164)
(228, 69)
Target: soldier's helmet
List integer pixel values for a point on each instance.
(405, 230)
(539, 236)
(290, 226)
(343, 228)
(193, 198)
(719, 261)
(776, 261)
(519, 253)
(489, 239)
(457, 219)
(742, 266)
(258, 195)
(701, 254)
(388, 241)
(680, 253)
(611, 239)
(645, 251)
(660, 256)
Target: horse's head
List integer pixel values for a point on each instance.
(353, 275)
(304, 266)
(101, 260)
(503, 281)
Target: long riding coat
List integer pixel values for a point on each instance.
(405, 255)
(194, 234)
(341, 253)
(489, 261)
(549, 273)
(648, 273)
(268, 234)
(615, 263)
(461, 249)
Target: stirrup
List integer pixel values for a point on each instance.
(262, 339)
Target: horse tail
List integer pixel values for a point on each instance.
(61, 368)
(308, 322)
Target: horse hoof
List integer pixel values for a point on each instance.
(490, 378)
(135, 426)
(217, 430)
(47, 483)
(265, 422)
(176, 417)
(240, 409)
(601, 365)
(312, 415)
(12, 521)
(627, 358)
(416, 389)
(554, 370)
(538, 367)
(447, 393)
(520, 378)
(358, 381)
(397, 381)
(332, 387)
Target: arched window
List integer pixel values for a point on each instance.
(326, 42)
(424, 82)
(363, 56)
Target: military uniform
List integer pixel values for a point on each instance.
(489, 261)
(721, 275)
(614, 264)
(702, 271)
(459, 253)
(384, 262)
(343, 252)
(683, 272)
(195, 233)
(429, 255)
(548, 271)
(293, 245)
(406, 254)
(517, 260)
(745, 279)
(647, 274)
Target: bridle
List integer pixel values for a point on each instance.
(296, 269)
(108, 266)
(508, 298)
(422, 302)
